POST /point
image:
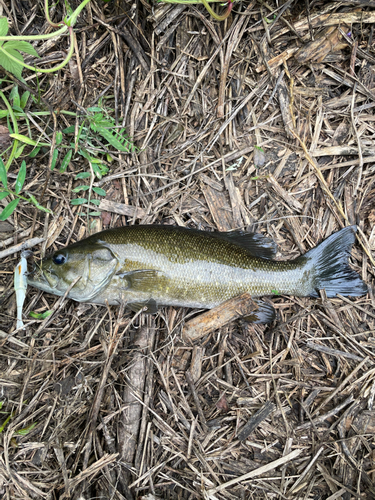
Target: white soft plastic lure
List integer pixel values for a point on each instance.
(20, 286)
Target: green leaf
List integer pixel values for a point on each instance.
(34, 152)
(98, 117)
(40, 315)
(24, 98)
(54, 158)
(3, 174)
(78, 201)
(85, 154)
(99, 170)
(44, 209)
(27, 140)
(83, 175)
(9, 209)
(275, 292)
(69, 130)
(22, 46)
(3, 425)
(20, 178)
(4, 26)
(15, 97)
(10, 65)
(113, 141)
(25, 430)
(66, 160)
(36, 203)
(59, 137)
(95, 202)
(80, 188)
(94, 109)
(95, 214)
(19, 150)
(33, 199)
(3, 194)
(107, 124)
(99, 191)
(69, 10)
(18, 109)
(4, 113)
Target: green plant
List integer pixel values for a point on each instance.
(43, 315)
(11, 46)
(206, 3)
(15, 111)
(12, 60)
(96, 126)
(97, 134)
(18, 104)
(19, 432)
(6, 191)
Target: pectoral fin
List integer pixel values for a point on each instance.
(143, 280)
(150, 306)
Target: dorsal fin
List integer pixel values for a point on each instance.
(255, 243)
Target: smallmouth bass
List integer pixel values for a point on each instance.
(151, 266)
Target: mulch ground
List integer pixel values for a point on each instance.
(262, 122)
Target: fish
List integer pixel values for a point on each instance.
(149, 266)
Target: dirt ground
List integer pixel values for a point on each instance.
(262, 122)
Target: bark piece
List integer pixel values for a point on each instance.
(216, 202)
(329, 40)
(122, 209)
(255, 420)
(219, 316)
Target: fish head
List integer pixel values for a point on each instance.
(88, 267)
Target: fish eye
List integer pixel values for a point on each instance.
(59, 259)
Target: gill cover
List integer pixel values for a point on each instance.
(93, 264)
(99, 267)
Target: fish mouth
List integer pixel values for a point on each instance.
(39, 278)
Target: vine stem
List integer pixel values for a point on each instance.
(207, 6)
(67, 23)
(46, 11)
(213, 13)
(39, 70)
(33, 38)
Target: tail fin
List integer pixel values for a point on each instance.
(329, 262)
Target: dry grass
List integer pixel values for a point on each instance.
(123, 407)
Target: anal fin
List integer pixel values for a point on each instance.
(264, 314)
